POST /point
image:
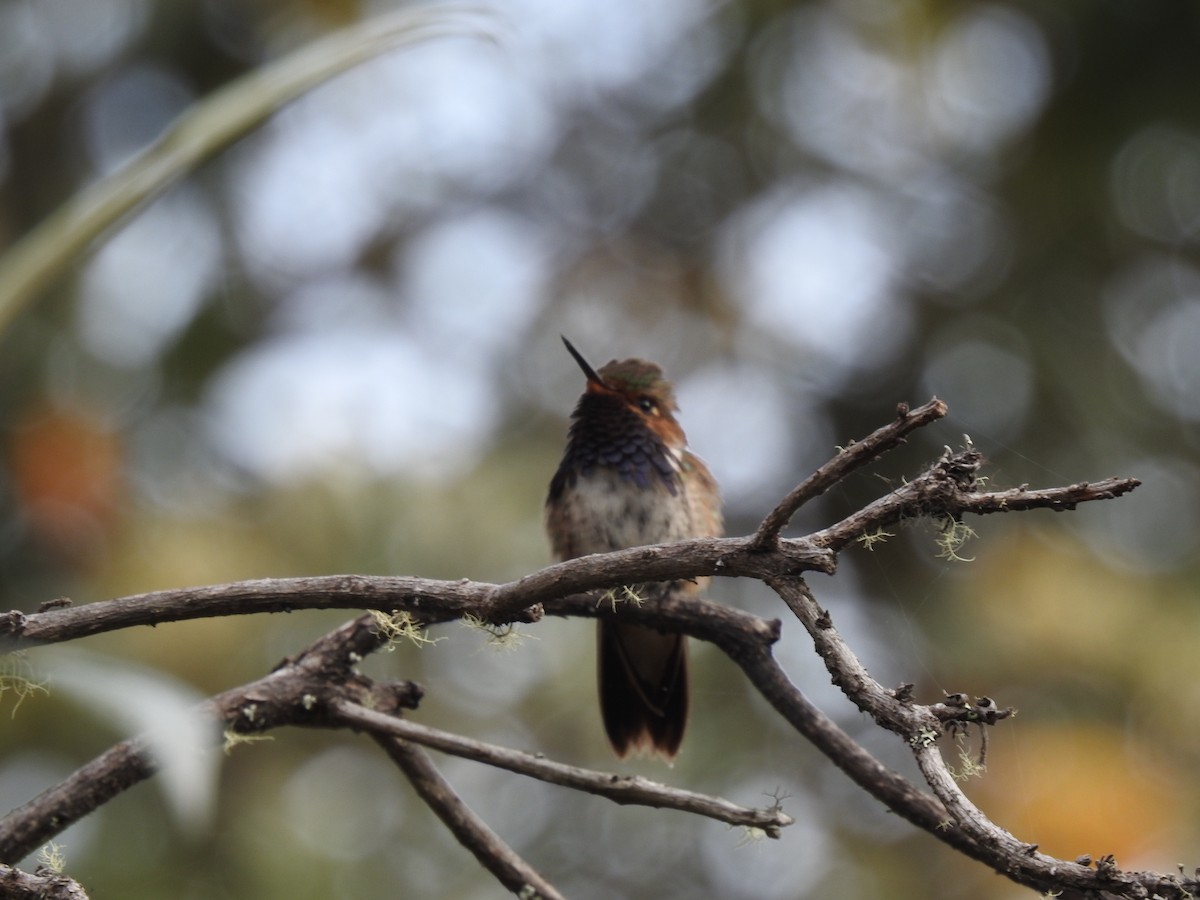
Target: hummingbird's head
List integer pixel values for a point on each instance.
(640, 387)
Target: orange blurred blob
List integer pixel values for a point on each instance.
(1078, 789)
(1049, 606)
(66, 471)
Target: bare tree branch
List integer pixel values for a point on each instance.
(18, 885)
(727, 557)
(319, 687)
(853, 457)
(622, 789)
(428, 601)
(51, 812)
(495, 855)
(945, 491)
(294, 694)
(948, 489)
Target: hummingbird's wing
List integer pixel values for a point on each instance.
(704, 497)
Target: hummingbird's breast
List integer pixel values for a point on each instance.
(619, 485)
(603, 511)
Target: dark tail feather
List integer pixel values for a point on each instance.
(643, 688)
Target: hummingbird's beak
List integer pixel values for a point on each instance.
(592, 377)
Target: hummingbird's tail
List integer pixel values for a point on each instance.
(643, 688)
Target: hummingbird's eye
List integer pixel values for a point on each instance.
(647, 405)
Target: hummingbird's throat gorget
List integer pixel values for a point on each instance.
(606, 433)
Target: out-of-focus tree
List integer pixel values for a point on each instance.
(334, 348)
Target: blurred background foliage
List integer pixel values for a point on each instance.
(335, 348)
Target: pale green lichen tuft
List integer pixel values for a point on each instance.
(627, 593)
(401, 626)
(231, 739)
(16, 676)
(954, 535)
(52, 857)
(877, 537)
(506, 637)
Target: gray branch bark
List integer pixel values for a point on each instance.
(319, 687)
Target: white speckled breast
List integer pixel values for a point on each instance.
(602, 512)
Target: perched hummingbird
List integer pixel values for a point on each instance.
(627, 479)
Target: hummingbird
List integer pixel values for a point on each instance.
(628, 479)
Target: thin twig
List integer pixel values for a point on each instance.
(854, 456)
(470, 831)
(623, 789)
(947, 490)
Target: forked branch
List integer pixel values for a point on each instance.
(319, 687)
